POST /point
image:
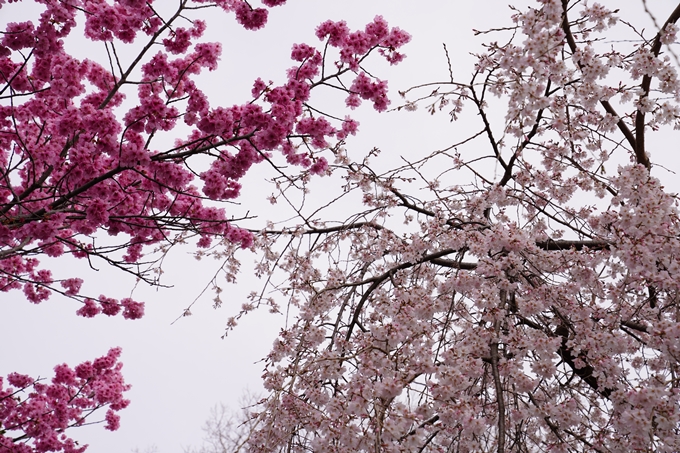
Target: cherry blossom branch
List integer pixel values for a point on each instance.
(633, 140)
(645, 87)
(124, 76)
(507, 175)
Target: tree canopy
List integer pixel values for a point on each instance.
(86, 170)
(515, 291)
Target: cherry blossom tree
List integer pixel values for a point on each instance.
(86, 169)
(516, 291)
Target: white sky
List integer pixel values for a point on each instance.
(180, 371)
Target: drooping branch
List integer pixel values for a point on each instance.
(645, 87)
(621, 124)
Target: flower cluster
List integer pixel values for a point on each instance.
(34, 415)
(354, 45)
(111, 307)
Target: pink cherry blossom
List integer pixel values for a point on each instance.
(34, 415)
(105, 171)
(515, 291)
(83, 148)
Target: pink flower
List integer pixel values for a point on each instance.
(349, 127)
(112, 420)
(132, 309)
(110, 307)
(319, 167)
(89, 309)
(258, 87)
(63, 374)
(72, 285)
(337, 32)
(301, 52)
(251, 19)
(180, 41)
(19, 380)
(19, 35)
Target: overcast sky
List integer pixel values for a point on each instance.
(180, 371)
